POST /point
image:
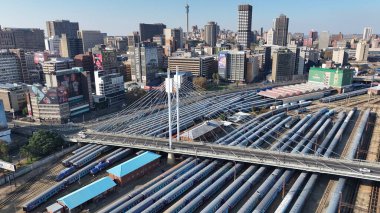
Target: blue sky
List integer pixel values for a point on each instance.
(121, 17)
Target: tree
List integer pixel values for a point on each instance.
(216, 78)
(25, 111)
(43, 143)
(4, 149)
(200, 82)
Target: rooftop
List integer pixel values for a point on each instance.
(86, 193)
(329, 70)
(293, 90)
(200, 130)
(133, 164)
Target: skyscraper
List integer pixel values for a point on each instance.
(90, 38)
(340, 56)
(244, 25)
(59, 27)
(270, 36)
(324, 40)
(211, 33)
(367, 34)
(282, 65)
(148, 31)
(70, 47)
(30, 39)
(362, 51)
(173, 40)
(281, 25)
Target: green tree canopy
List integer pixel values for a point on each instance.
(4, 149)
(43, 143)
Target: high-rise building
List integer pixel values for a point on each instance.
(211, 33)
(85, 61)
(232, 65)
(90, 38)
(56, 64)
(59, 27)
(29, 39)
(10, 67)
(340, 56)
(282, 65)
(324, 40)
(70, 47)
(270, 37)
(133, 39)
(53, 45)
(362, 51)
(13, 96)
(298, 59)
(110, 86)
(281, 25)
(105, 59)
(367, 34)
(20, 53)
(198, 66)
(147, 31)
(145, 64)
(173, 40)
(244, 34)
(266, 59)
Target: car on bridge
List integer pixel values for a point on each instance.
(364, 170)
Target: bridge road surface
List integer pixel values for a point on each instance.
(309, 163)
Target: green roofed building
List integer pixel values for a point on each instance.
(337, 78)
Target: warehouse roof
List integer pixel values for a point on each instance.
(133, 164)
(86, 193)
(200, 130)
(293, 90)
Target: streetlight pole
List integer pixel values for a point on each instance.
(169, 90)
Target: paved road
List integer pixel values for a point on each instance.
(310, 163)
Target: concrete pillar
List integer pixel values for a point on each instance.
(171, 158)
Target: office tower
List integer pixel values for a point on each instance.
(147, 31)
(362, 51)
(261, 32)
(244, 35)
(119, 43)
(105, 59)
(29, 39)
(86, 61)
(53, 45)
(254, 66)
(133, 39)
(281, 25)
(270, 37)
(187, 7)
(324, 40)
(10, 67)
(198, 66)
(367, 34)
(232, 65)
(70, 47)
(90, 38)
(20, 53)
(145, 59)
(340, 56)
(173, 40)
(298, 59)
(59, 27)
(266, 59)
(109, 86)
(313, 35)
(211, 33)
(282, 65)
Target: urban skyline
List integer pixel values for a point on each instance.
(330, 16)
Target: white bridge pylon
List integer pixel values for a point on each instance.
(173, 85)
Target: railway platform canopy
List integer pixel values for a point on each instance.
(87, 193)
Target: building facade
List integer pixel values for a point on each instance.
(244, 34)
(282, 65)
(173, 40)
(324, 40)
(199, 66)
(10, 67)
(281, 25)
(367, 33)
(337, 78)
(110, 86)
(211, 32)
(29, 39)
(13, 96)
(90, 38)
(148, 31)
(340, 56)
(232, 65)
(70, 47)
(59, 27)
(362, 51)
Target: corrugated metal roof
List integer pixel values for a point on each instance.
(133, 164)
(200, 130)
(86, 193)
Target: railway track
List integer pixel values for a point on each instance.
(33, 184)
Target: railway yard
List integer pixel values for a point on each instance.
(336, 126)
